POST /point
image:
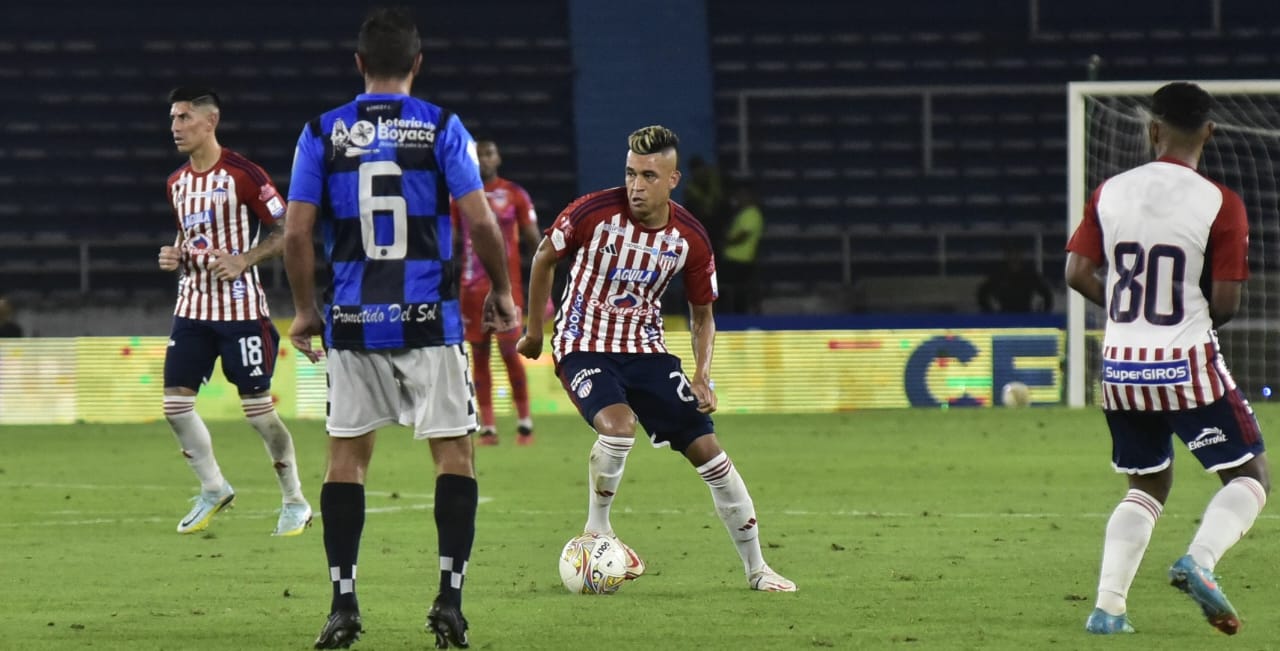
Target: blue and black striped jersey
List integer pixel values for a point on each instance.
(381, 170)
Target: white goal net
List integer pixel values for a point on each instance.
(1107, 134)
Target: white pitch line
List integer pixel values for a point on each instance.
(147, 487)
(250, 515)
(868, 515)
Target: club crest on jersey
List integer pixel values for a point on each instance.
(199, 242)
(668, 260)
(219, 196)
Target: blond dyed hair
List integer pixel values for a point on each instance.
(653, 139)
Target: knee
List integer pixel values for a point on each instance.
(620, 424)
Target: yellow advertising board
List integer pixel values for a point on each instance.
(120, 379)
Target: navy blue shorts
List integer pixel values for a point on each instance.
(247, 348)
(1222, 435)
(652, 384)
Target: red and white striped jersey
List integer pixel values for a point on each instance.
(222, 208)
(1165, 233)
(612, 302)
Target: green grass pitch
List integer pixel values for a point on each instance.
(960, 529)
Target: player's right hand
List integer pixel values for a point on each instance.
(170, 257)
(500, 313)
(306, 324)
(530, 345)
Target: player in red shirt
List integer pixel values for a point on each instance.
(626, 245)
(1175, 245)
(519, 224)
(223, 203)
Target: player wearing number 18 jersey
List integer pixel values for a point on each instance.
(626, 245)
(228, 218)
(1176, 246)
(376, 173)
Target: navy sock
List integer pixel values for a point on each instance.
(342, 509)
(455, 510)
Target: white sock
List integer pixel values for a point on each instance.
(1227, 519)
(1128, 532)
(525, 422)
(604, 473)
(736, 510)
(263, 417)
(194, 438)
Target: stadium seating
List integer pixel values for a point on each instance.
(908, 139)
(920, 139)
(85, 148)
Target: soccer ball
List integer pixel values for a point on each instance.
(1015, 394)
(593, 564)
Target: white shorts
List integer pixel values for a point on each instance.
(428, 389)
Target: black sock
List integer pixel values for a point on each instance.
(342, 509)
(455, 509)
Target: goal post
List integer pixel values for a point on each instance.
(1106, 134)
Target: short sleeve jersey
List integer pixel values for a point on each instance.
(381, 170)
(619, 270)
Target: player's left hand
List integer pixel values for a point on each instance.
(226, 266)
(704, 393)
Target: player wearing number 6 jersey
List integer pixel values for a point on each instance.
(1176, 247)
(223, 204)
(625, 246)
(377, 174)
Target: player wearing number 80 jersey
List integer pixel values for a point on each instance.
(1176, 245)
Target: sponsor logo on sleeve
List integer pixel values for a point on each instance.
(1176, 371)
(275, 206)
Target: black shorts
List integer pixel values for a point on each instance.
(1221, 435)
(248, 350)
(652, 384)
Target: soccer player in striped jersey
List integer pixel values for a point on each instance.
(229, 219)
(377, 173)
(1176, 247)
(626, 244)
(519, 223)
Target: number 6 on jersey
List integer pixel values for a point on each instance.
(370, 203)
